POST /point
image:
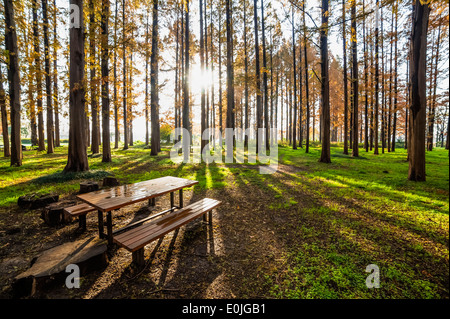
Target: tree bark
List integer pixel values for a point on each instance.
(55, 77)
(106, 142)
(432, 113)
(95, 147)
(294, 74)
(124, 95)
(77, 156)
(154, 96)
(344, 49)
(48, 84)
(355, 150)
(418, 91)
(37, 61)
(308, 115)
(325, 156)
(259, 113)
(230, 69)
(6, 147)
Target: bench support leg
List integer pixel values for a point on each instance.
(82, 222)
(100, 224)
(109, 228)
(180, 197)
(172, 200)
(152, 202)
(138, 257)
(210, 217)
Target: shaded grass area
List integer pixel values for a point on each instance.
(307, 231)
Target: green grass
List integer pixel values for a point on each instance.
(335, 219)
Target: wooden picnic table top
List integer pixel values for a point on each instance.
(119, 196)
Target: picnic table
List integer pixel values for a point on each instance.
(109, 200)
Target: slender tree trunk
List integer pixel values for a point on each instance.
(124, 95)
(294, 74)
(147, 136)
(55, 76)
(95, 148)
(366, 86)
(154, 94)
(106, 143)
(116, 106)
(77, 156)
(394, 124)
(186, 112)
(6, 147)
(265, 88)
(344, 49)
(325, 156)
(418, 91)
(202, 67)
(377, 82)
(246, 125)
(48, 84)
(259, 113)
(355, 150)
(230, 69)
(432, 115)
(308, 115)
(14, 82)
(37, 59)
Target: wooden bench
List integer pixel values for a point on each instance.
(137, 238)
(80, 211)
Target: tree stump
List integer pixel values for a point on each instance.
(53, 214)
(110, 182)
(34, 201)
(50, 266)
(88, 186)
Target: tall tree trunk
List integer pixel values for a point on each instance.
(355, 150)
(95, 148)
(344, 49)
(294, 74)
(259, 113)
(116, 106)
(37, 61)
(154, 96)
(394, 124)
(124, 95)
(6, 147)
(106, 143)
(202, 68)
(246, 124)
(77, 156)
(308, 115)
(14, 82)
(432, 113)
(48, 84)
(325, 156)
(186, 112)
(418, 91)
(230, 69)
(55, 76)
(366, 86)
(377, 81)
(147, 136)
(265, 87)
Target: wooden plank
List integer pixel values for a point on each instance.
(124, 237)
(176, 214)
(117, 197)
(79, 209)
(141, 236)
(163, 231)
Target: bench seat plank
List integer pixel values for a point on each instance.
(138, 237)
(80, 209)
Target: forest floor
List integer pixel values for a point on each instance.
(307, 231)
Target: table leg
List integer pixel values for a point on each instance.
(101, 234)
(181, 197)
(172, 202)
(109, 228)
